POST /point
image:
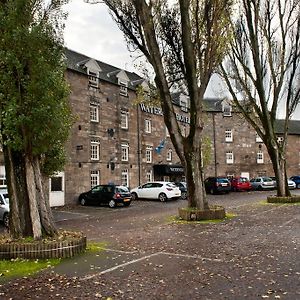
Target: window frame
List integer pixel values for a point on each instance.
(169, 155)
(124, 152)
(228, 135)
(124, 117)
(229, 157)
(149, 155)
(94, 112)
(260, 157)
(94, 174)
(95, 150)
(148, 126)
(125, 177)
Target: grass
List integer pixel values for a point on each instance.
(177, 220)
(16, 268)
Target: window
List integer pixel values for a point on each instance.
(149, 154)
(95, 150)
(124, 119)
(148, 126)
(226, 110)
(228, 136)
(123, 88)
(260, 157)
(169, 155)
(280, 139)
(2, 180)
(149, 176)
(258, 138)
(95, 178)
(124, 152)
(183, 102)
(93, 79)
(56, 184)
(229, 157)
(125, 178)
(94, 113)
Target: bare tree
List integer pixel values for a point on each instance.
(262, 72)
(184, 43)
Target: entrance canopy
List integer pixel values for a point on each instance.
(166, 170)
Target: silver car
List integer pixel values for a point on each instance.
(4, 207)
(262, 183)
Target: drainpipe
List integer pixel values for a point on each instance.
(215, 144)
(138, 143)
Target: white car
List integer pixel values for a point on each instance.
(160, 190)
(4, 207)
(291, 183)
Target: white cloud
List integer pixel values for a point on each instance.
(90, 30)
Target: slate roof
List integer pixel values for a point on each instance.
(75, 61)
(294, 127)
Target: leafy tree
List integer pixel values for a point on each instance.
(263, 69)
(184, 43)
(35, 117)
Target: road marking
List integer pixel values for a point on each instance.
(119, 266)
(143, 258)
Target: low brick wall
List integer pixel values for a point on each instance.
(291, 199)
(52, 249)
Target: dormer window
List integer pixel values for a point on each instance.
(226, 110)
(123, 88)
(93, 79)
(184, 103)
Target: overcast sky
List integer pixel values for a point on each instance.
(90, 30)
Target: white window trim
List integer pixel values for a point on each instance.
(148, 126)
(229, 158)
(94, 113)
(228, 136)
(227, 109)
(149, 176)
(125, 177)
(169, 155)
(95, 150)
(149, 150)
(124, 152)
(258, 139)
(95, 178)
(260, 157)
(124, 117)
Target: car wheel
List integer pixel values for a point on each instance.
(259, 188)
(134, 196)
(112, 203)
(6, 220)
(82, 201)
(298, 186)
(127, 203)
(162, 197)
(183, 195)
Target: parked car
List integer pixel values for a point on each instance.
(291, 183)
(296, 179)
(262, 183)
(214, 185)
(183, 188)
(160, 190)
(106, 194)
(240, 184)
(4, 207)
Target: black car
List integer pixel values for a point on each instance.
(214, 185)
(106, 194)
(183, 188)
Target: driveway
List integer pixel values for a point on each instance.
(255, 255)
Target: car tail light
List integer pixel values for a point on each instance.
(117, 195)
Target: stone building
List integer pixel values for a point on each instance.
(116, 140)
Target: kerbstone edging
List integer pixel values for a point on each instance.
(276, 199)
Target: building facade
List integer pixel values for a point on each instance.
(114, 139)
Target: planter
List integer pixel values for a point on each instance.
(43, 250)
(276, 199)
(213, 213)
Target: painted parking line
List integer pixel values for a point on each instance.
(144, 258)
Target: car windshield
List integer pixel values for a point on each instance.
(267, 179)
(222, 180)
(122, 189)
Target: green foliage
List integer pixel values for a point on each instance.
(35, 115)
(23, 267)
(178, 220)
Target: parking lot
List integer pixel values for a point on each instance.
(255, 255)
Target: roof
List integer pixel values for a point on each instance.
(294, 126)
(76, 61)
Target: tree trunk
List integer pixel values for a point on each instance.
(20, 222)
(46, 216)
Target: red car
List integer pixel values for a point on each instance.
(240, 184)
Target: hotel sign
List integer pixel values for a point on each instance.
(158, 111)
